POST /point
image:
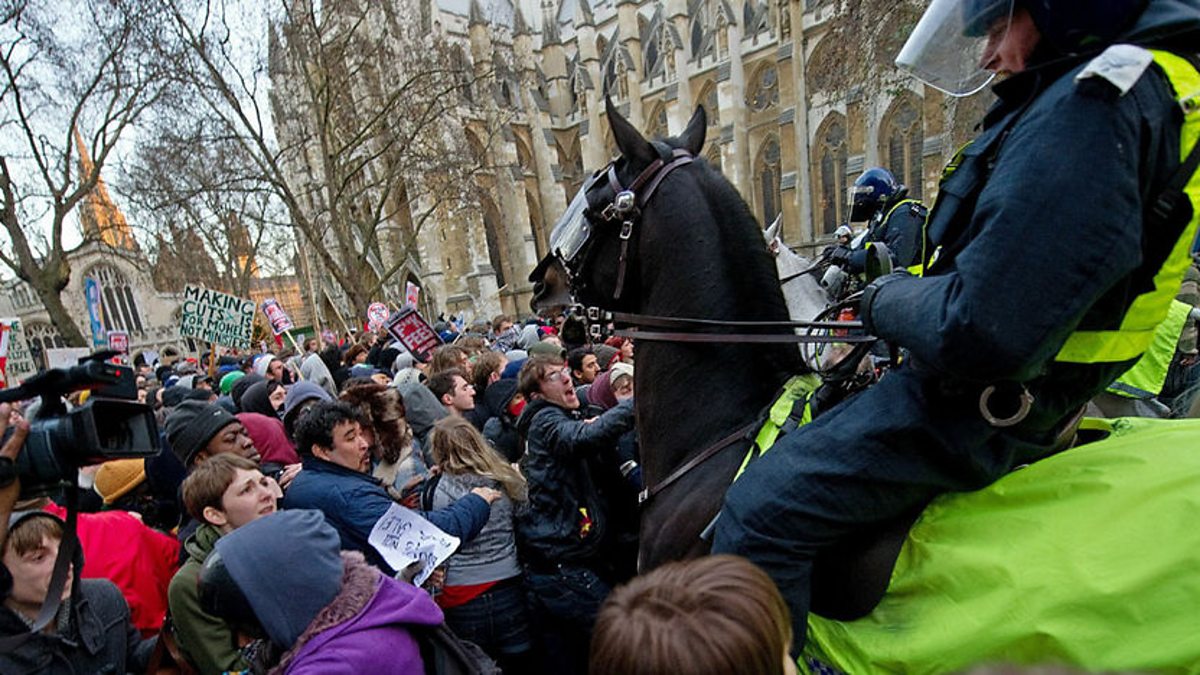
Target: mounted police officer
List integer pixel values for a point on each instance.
(880, 201)
(1062, 234)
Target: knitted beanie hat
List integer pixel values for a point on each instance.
(192, 424)
(118, 477)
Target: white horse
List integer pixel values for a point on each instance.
(803, 292)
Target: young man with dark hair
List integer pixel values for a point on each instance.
(584, 365)
(336, 480)
(222, 494)
(453, 391)
(562, 534)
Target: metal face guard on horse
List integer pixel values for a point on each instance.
(1088, 558)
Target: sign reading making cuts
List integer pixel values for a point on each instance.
(215, 317)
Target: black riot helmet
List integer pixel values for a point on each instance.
(1081, 25)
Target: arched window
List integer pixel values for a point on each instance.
(712, 109)
(117, 302)
(764, 89)
(570, 161)
(42, 336)
(831, 175)
(902, 140)
(767, 173)
(656, 123)
(713, 155)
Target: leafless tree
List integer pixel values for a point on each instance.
(66, 67)
(354, 138)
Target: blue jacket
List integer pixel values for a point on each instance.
(353, 502)
(1025, 261)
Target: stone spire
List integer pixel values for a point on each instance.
(102, 220)
(476, 16)
(583, 14)
(520, 26)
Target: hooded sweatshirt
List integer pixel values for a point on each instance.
(269, 438)
(314, 370)
(421, 409)
(206, 640)
(334, 613)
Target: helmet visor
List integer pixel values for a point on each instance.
(946, 49)
(572, 230)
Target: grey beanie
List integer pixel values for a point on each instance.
(192, 424)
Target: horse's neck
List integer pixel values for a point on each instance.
(690, 395)
(803, 293)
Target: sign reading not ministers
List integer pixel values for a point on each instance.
(212, 316)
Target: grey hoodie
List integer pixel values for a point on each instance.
(314, 370)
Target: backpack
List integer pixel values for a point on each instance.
(444, 653)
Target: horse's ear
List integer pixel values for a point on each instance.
(693, 136)
(630, 142)
(773, 229)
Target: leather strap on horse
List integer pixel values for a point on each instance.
(683, 334)
(748, 338)
(742, 433)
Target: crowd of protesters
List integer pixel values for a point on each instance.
(243, 545)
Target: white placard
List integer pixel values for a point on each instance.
(402, 537)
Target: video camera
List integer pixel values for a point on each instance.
(110, 425)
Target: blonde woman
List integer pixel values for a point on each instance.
(484, 595)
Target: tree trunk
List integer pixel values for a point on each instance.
(49, 293)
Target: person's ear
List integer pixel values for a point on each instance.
(322, 452)
(214, 516)
(447, 399)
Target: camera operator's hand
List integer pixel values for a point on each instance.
(10, 486)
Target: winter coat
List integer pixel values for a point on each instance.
(353, 502)
(365, 628)
(492, 555)
(206, 641)
(99, 640)
(566, 517)
(141, 566)
(500, 429)
(1077, 243)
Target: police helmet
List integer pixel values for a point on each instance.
(1075, 25)
(870, 192)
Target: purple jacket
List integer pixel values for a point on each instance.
(365, 628)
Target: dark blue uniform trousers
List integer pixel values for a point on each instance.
(875, 457)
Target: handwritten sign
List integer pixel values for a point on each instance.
(413, 332)
(16, 361)
(280, 321)
(212, 316)
(403, 538)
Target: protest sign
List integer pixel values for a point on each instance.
(280, 321)
(329, 337)
(215, 317)
(66, 356)
(413, 332)
(412, 293)
(118, 341)
(16, 361)
(91, 292)
(377, 315)
(403, 538)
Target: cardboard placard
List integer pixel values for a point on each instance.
(412, 294)
(377, 315)
(16, 361)
(118, 340)
(413, 332)
(279, 319)
(217, 318)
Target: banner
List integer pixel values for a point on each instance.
(214, 317)
(91, 291)
(412, 294)
(118, 340)
(16, 361)
(280, 321)
(65, 357)
(413, 332)
(377, 315)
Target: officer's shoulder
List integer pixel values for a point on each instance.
(1115, 71)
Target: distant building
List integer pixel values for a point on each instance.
(783, 128)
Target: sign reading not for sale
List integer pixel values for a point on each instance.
(413, 331)
(280, 321)
(215, 317)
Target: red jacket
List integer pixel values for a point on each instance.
(137, 558)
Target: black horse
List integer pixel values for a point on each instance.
(688, 241)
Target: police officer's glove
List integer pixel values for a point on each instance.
(839, 255)
(868, 298)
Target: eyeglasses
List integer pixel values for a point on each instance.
(562, 375)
